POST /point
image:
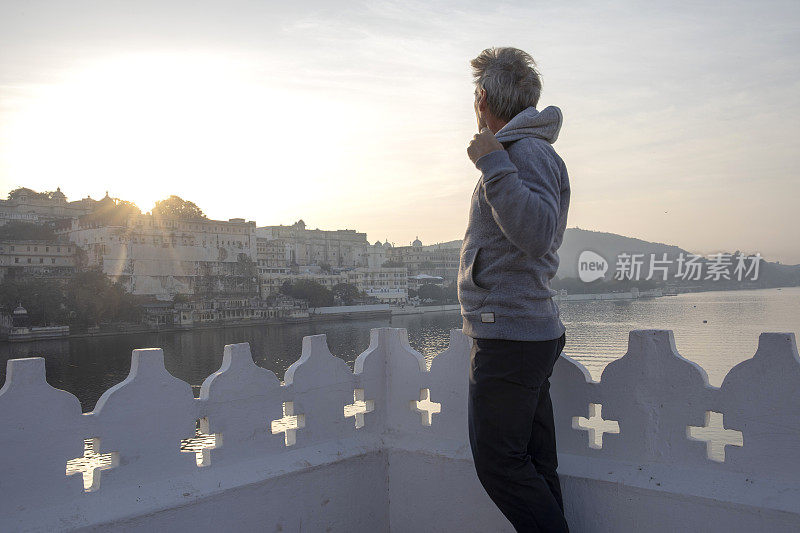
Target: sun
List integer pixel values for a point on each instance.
(145, 126)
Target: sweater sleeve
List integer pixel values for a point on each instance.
(525, 209)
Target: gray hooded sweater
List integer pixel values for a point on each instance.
(516, 224)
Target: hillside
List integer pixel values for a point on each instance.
(611, 245)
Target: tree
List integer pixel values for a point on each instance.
(42, 299)
(346, 293)
(24, 191)
(91, 298)
(450, 293)
(112, 213)
(315, 294)
(177, 207)
(429, 291)
(245, 270)
(88, 298)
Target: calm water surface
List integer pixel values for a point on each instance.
(597, 333)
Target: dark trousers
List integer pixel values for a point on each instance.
(511, 430)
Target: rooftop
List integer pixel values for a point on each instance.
(650, 447)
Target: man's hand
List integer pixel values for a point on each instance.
(483, 143)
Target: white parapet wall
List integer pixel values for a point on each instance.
(650, 447)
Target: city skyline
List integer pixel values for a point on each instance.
(678, 129)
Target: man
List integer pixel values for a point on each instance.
(516, 224)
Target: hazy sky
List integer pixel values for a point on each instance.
(680, 120)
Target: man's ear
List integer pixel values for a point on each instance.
(482, 100)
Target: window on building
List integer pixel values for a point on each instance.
(16, 259)
(53, 261)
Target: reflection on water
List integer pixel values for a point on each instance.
(597, 333)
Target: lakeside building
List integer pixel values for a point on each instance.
(272, 253)
(376, 255)
(164, 256)
(387, 284)
(440, 260)
(224, 310)
(415, 282)
(38, 258)
(29, 206)
(302, 246)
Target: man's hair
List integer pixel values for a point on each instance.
(509, 77)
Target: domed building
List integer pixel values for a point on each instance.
(19, 317)
(58, 196)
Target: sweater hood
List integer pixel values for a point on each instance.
(544, 124)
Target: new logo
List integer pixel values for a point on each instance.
(591, 266)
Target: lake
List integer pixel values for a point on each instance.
(597, 333)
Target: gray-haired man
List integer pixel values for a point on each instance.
(516, 223)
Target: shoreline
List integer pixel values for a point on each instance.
(344, 315)
(348, 315)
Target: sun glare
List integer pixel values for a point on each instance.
(149, 125)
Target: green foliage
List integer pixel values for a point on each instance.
(91, 298)
(315, 294)
(180, 298)
(245, 266)
(246, 275)
(43, 299)
(112, 213)
(25, 231)
(87, 299)
(24, 191)
(346, 293)
(177, 207)
(450, 294)
(430, 291)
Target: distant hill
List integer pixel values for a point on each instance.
(608, 245)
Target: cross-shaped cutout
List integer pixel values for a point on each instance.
(715, 435)
(289, 424)
(595, 425)
(91, 464)
(202, 443)
(425, 407)
(359, 407)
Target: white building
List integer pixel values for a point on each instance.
(31, 206)
(388, 285)
(52, 259)
(339, 248)
(163, 256)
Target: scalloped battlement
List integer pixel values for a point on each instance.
(651, 446)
